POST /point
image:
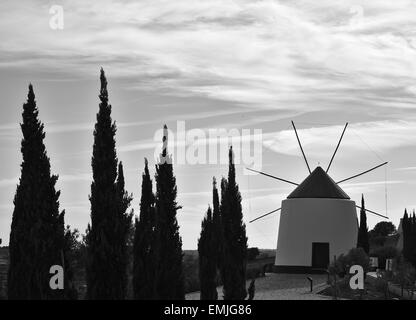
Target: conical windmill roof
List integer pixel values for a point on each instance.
(318, 185)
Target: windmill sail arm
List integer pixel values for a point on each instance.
(336, 149)
(265, 215)
(377, 214)
(362, 173)
(274, 177)
(301, 149)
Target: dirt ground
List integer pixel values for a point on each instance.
(282, 287)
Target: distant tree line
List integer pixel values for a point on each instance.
(39, 238)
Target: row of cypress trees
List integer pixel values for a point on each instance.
(409, 237)
(222, 245)
(39, 240)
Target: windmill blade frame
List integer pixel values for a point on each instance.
(265, 215)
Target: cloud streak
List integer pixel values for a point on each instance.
(267, 54)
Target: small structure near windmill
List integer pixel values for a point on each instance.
(318, 220)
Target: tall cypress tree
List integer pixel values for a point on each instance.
(413, 240)
(207, 262)
(409, 237)
(363, 241)
(107, 235)
(234, 238)
(37, 229)
(406, 235)
(169, 278)
(144, 238)
(123, 228)
(217, 227)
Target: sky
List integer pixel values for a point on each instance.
(236, 65)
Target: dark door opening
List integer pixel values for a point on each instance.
(320, 255)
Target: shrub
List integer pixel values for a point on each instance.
(355, 256)
(404, 273)
(252, 253)
(384, 253)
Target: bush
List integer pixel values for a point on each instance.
(355, 256)
(404, 273)
(253, 273)
(384, 253)
(252, 253)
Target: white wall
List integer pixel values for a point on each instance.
(303, 221)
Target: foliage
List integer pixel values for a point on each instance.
(362, 241)
(37, 239)
(107, 235)
(384, 228)
(404, 273)
(252, 253)
(234, 253)
(144, 242)
(383, 253)
(207, 265)
(342, 264)
(168, 250)
(409, 238)
(381, 231)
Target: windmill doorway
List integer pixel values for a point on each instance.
(320, 255)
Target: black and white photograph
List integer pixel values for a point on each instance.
(206, 155)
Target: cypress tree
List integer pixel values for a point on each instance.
(144, 237)
(207, 262)
(363, 241)
(169, 277)
(70, 247)
(37, 229)
(123, 227)
(409, 238)
(413, 240)
(217, 228)
(406, 235)
(107, 234)
(234, 249)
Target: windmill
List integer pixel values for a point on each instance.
(318, 219)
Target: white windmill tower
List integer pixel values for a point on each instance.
(318, 220)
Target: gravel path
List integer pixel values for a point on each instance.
(277, 286)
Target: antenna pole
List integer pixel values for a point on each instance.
(264, 215)
(377, 214)
(336, 149)
(360, 174)
(301, 149)
(270, 176)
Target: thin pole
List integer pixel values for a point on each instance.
(336, 149)
(269, 175)
(301, 149)
(377, 214)
(264, 215)
(360, 174)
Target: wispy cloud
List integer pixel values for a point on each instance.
(406, 169)
(270, 54)
(379, 136)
